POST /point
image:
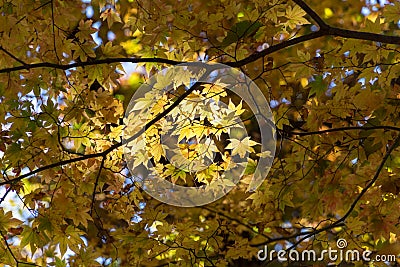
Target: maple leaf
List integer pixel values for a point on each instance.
(76, 155)
(111, 16)
(241, 147)
(295, 16)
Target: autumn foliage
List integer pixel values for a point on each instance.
(329, 71)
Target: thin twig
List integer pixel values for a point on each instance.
(53, 29)
(12, 254)
(341, 221)
(5, 194)
(12, 56)
(341, 129)
(96, 183)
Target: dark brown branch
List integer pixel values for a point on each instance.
(96, 183)
(325, 30)
(342, 220)
(358, 198)
(12, 56)
(117, 145)
(380, 38)
(5, 194)
(12, 254)
(161, 115)
(53, 29)
(236, 220)
(307, 234)
(328, 31)
(275, 48)
(8, 247)
(54, 165)
(369, 185)
(312, 14)
(33, 10)
(341, 129)
(90, 63)
(322, 32)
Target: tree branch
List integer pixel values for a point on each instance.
(12, 56)
(340, 129)
(96, 184)
(117, 145)
(5, 194)
(160, 116)
(380, 38)
(329, 30)
(235, 220)
(90, 63)
(355, 202)
(54, 165)
(308, 234)
(274, 48)
(325, 30)
(312, 14)
(12, 254)
(341, 221)
(369, 185)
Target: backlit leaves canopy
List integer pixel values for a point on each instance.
(329, 69)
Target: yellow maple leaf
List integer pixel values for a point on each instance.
(241, 147)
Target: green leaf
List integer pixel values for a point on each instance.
(240, 30)
(318, 86)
